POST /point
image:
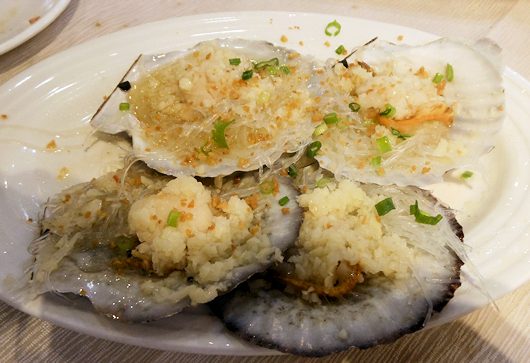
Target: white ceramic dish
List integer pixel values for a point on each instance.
(55, 99)
(20, 20)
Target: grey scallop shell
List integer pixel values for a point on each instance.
(109, 119)
(377, 311)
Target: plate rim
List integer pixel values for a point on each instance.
(35, 28)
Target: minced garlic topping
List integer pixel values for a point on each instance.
(211, 237)
(179, 104)
(342, 225)
(417, 124)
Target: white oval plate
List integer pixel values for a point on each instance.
(15, 15)
(55, 99)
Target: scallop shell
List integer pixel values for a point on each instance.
(379, 310)
(77, 256)
(402, 76)
(172, 117)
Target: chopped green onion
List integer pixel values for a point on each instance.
(425, 219)
(340, 50)
(384, 206)
(322, 182)
(320, 129)
(466, 174)
(234, 61)
(332, 29)
(375, 161)
(354, 106)
(205, 149)
(313, 148)
(273, 70)
(292, 171)
(285, 69)
(274, 62)
(389, 111)
(173, 218)
(283, 201)
(383, 144)
(413, 208)
(124, 106)
(422, 217)
(247, 75)
(126, 244)
(437, 78)
(331, 118)
(449, 73)
(267, 187)
(399, 134)
(218, 133)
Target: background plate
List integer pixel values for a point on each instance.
(55, 99)
(15, 16)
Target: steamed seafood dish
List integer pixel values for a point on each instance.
(142, 246)
(355, 278)
(407, 114)
(222, 106)
(280, 191)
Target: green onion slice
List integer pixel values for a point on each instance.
(437, 78)
(173, 218)
(384, 206)
(320, 129)
(283, 201)
(332, 29)
(218, 133)
(383, 144)
(313, 148)
(247, 75)
(375, 161)
(399, 134)
(292, 171)
(285, 69)
(466, 174)
(331, 118)
(234, 61)
(274, 62)
(273, 70)
(449, 73)
(206, 149)
(340, 50)
(124, 106)
(267, 187)
(413, 208)
(354, 106)
(322, 182)
(422, 217)
(126, 244)
(389, 111)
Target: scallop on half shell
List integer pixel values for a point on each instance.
(222, 106)
(407, 114)
(355, 278)
(142, 246)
